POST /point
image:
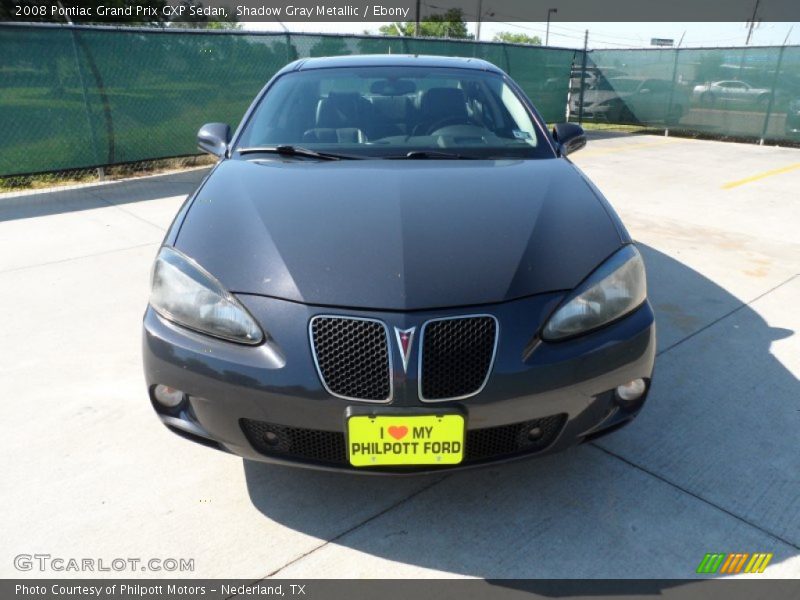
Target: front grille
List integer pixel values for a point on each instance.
(457, 356)
(352, 357)
(328, 447)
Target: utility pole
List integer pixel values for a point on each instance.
(583, 76)
(478, 27)
(416, 28)
(752, 24)
(550, 11)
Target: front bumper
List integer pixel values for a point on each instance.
(234, 392)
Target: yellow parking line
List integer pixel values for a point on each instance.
(625, 147)
(738, 182)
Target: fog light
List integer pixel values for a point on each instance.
(631, 391)
(169, 397)
(535, 434)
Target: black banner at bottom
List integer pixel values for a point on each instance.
(405, 589)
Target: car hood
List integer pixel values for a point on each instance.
(398, 235)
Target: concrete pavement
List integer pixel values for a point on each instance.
(711, 465)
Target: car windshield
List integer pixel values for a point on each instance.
(395, 112)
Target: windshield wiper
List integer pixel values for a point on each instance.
(431, 154)
(294, 151)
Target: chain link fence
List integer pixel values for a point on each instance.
(750, 93)
(93, 102)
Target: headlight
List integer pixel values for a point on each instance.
(183, 292)
(615, 288)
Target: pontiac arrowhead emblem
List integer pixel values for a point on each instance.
(405, 339)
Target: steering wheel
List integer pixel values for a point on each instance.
(442, 123)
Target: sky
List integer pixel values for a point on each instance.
(601, 35)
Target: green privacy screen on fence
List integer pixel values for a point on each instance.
(75, 97)
(732, 92)
(80, 97)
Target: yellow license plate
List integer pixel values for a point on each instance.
(381, 440)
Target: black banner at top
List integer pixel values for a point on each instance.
(164, 11)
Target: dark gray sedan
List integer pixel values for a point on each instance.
(394, 268)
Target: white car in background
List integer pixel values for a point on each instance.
(730, 92)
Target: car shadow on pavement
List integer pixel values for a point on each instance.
(711, 465)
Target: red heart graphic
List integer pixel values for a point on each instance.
(398, 433)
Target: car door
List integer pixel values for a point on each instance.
(723, 90)
(739, 92)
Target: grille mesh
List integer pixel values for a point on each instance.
(353, 357)
(516, 438)
(456, 356)
(328, 447)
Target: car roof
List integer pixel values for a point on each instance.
(390, 60)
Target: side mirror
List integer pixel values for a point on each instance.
(213, 138)
(569, 136)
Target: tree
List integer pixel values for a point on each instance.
(518, 38)
(448, 25)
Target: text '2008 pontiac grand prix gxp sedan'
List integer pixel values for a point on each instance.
(394, 268)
